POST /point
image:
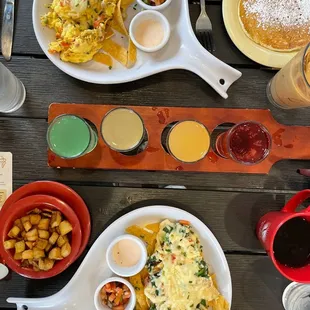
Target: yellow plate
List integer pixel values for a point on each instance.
(248, 47)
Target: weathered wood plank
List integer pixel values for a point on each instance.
(25, 138)
(25, 42)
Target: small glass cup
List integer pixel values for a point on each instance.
(188, 141)
(290, 88)
(296, 296)
(247, 143)
(70, 136)
(122, 129)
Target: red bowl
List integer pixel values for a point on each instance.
(19, 209)
(61, 191)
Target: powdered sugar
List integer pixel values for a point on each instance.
(285, 13)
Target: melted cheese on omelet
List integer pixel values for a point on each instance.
(80, 27)
(179, 276)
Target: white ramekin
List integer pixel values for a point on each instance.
(97, 300)
(157, 7)
(145, 15)
(126, 271)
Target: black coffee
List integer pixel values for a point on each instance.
(292, 243)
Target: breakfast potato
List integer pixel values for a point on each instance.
(35, 211)
(48, 247)
(62, 240)
(19, 224)
(18, 256)
(53, 238)
(27, 225)
(41, 244)
(65, 227)
(23, 234)
(44, 224)
(30, 244)
(66, 250)
(43, 234)
(56, 219)
(28, 254)
(55, 253)
(9, 244)
(46, 264)
(25, 219)
(14, 232)
(32, 235)
(35, 219)
(57, 230)
(38, 253)
(20, 246)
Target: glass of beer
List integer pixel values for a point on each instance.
(290, 88)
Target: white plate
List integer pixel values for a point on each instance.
(248, 47)
(183, 51)
(79, 292)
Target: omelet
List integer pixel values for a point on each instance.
(179, 276)
(81, 27)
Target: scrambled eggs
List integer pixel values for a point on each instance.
(80, 25)
(179, 276)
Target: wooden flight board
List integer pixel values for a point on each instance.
(288, 142)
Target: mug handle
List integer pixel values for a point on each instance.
(296, 200)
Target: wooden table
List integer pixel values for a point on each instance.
(229, 204)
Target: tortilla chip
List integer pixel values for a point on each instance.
(153, 227)
(118, 21)
(126, 3)
(104, 59)
(147, 236)
(132, 54)
(213, 277)
(219, 304)
(117, 51)
(109, 33)
(144, 274)
(139, 289)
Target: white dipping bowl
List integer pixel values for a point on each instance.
(156, 7)
(146, 15)
(97, 300)
(126, 271)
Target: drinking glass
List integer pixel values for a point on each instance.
(296, 296)
(70, 136)
(12, 91)
(290, 88)
(247, 143)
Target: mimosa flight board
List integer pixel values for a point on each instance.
(288, 142)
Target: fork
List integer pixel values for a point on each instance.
(204, 29)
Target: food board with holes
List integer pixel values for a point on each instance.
(182, 51)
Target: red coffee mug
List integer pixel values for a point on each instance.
(268, 227)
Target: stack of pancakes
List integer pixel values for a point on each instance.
(280, 25)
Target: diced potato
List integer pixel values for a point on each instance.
(55, 253)
(44, 224)
(27, 225)
(9, 244)
(18, 256)
(65, 227)
(35, 211)
(28, 254)
(14, 232)
(62, 240)
(66, 250)
(32, 235)
(35, 219)
(56, 219)
(46, 264)
(29, 244)
(20, 246)
(19, 224)
(38, 253)
(25, 263)
(53, 238)
(25, 219)
(48, 247)
(41, 244)
(43, 234)
(57, 230)
(23, 234)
